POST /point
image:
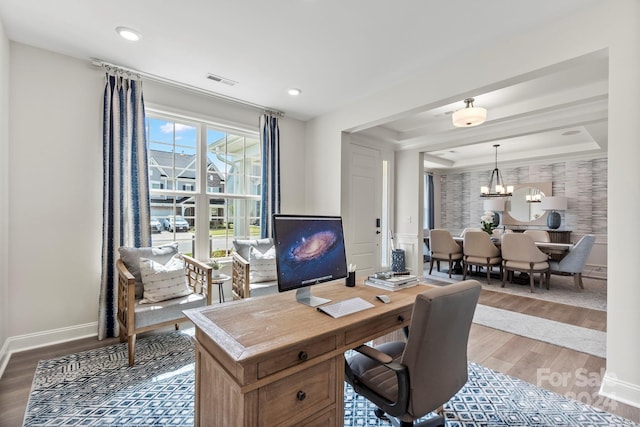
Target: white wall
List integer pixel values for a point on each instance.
(54, 178)
(4, 195)
(611, 25)
(55, 204)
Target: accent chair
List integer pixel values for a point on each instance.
(573, 263)
(155, 284)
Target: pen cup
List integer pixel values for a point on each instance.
(350, 281)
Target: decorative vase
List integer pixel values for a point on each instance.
(397, 260)
(496, 219)
(553, 220)
(215, 273)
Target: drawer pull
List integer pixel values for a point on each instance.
(303, 356)
(400, 319)
(301, 395)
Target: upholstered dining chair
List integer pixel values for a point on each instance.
(410, 380)
(443, 248)
(466, 230)
(478, 250)
(539, 235)
(155, 284)
(573, 263)
(519, 253)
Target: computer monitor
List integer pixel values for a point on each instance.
(309, 250)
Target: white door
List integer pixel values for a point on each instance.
(365, 208)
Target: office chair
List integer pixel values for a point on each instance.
(409, 380)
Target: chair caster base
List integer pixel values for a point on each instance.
(380, 414)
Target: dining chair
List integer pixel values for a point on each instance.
(519, 253)
(573, 263)
(466, 230)
(478, 250)
(443, 248)
(539, 235)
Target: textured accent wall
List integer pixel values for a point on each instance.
(583, 182)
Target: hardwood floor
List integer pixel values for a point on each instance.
(566, 372)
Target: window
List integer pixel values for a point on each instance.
(197, 168)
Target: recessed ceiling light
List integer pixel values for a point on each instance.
(128, 33)
(294, 91)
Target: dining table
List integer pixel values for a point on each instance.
(546, 247)
(555, 251)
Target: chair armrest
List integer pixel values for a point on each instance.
(239, 277)
(198, 276)
(397, 408)
(126, 296)
(374, 354)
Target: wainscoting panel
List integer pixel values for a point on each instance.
(413, 252)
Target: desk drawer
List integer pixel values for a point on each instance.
(375, 326)
(297, 397)
(296, 356)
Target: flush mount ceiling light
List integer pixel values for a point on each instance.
(128, 33)
(294, 91)
(496, 187)
(469, 116)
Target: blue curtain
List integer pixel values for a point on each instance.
(270, 141)
(125, 213)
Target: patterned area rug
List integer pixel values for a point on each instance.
(97, 388)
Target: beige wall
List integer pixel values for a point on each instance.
(54, 205)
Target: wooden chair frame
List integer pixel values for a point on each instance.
(198, 279)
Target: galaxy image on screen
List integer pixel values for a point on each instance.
(309, 250)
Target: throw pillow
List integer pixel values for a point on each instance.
(243, 247)
(131, 258)
(163, 281)
(262, 266)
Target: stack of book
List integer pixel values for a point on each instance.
(393, 283)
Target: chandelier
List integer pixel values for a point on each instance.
(497, 187)
(469, 116)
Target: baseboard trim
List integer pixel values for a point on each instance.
(44, 338)
(4, 357)
(620, 391)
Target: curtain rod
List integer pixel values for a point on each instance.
(104, 64)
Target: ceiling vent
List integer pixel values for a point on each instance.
(219, 79)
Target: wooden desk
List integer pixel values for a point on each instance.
(271, 361)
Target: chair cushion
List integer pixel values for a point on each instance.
(131, 258)
(376, 376)
(262, 266)
(482, 260)
(154, 313)
(263, 288)
(243, 247)
(525, 266)
(163, 281)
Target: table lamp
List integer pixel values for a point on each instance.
(496, 205)
(554, 204)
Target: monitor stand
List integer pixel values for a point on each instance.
(303, 296)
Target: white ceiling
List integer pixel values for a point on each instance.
(337, 52)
